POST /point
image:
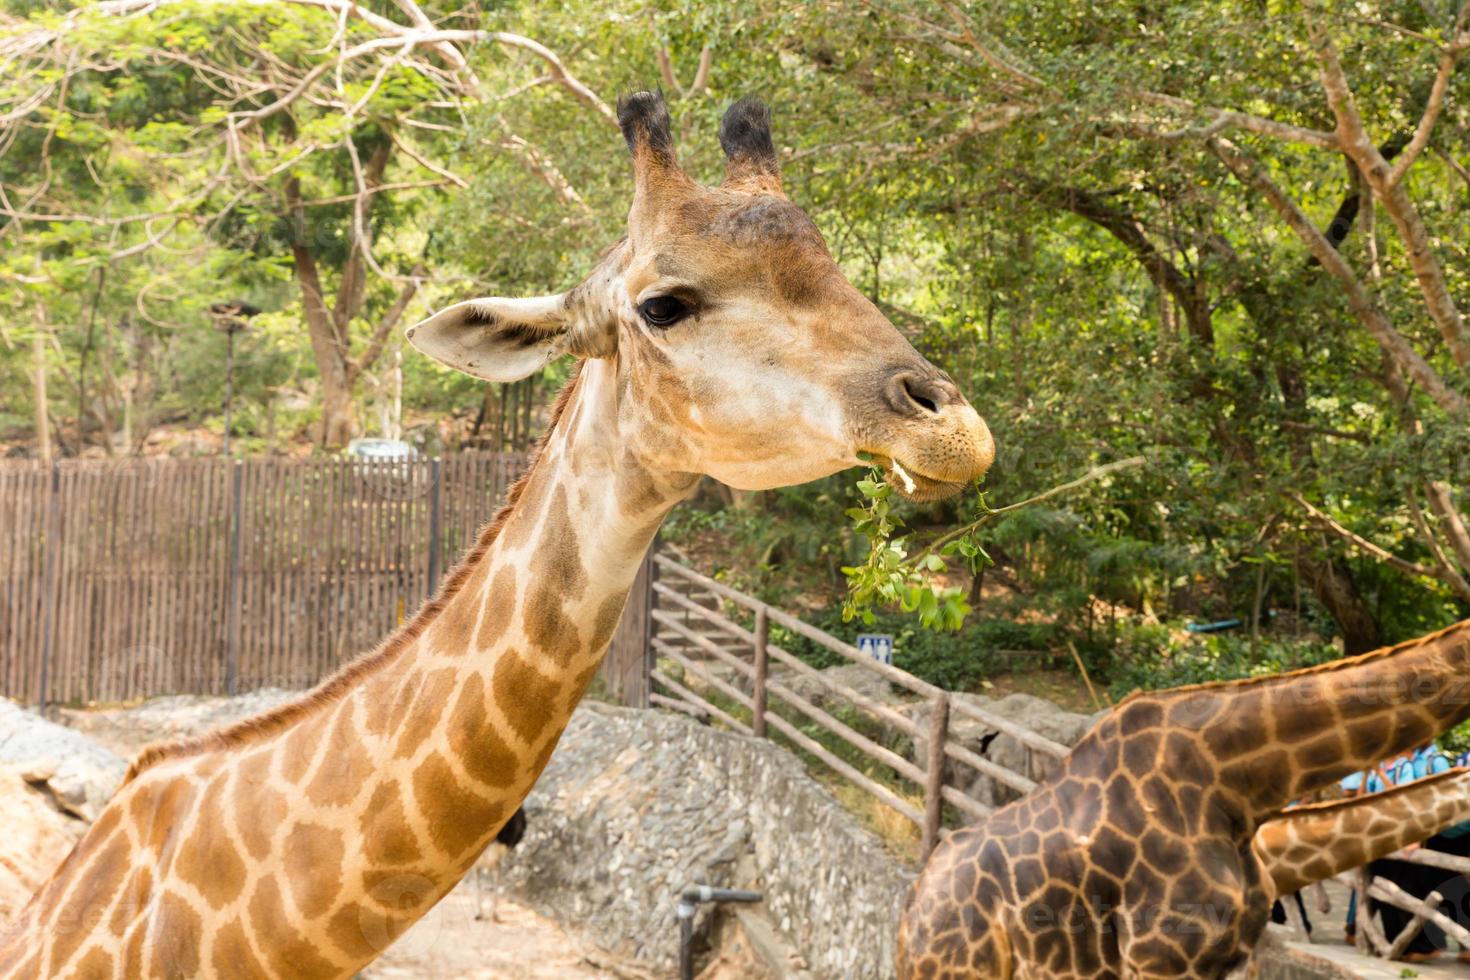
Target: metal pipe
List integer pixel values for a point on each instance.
(684, 911)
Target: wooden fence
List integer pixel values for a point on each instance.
(1371, 937)
(124, 579)
(693, 625)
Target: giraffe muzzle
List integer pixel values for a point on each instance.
(933, 443)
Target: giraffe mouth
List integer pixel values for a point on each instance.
(914, 485)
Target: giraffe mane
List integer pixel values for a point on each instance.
(331, 690)
(1331, 666)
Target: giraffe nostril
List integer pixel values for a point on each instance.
(913, 393)
(919, 398)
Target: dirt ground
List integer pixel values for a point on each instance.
(516, 944)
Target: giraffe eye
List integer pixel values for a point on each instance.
(663, 311)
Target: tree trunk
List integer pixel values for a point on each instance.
(338, 421)
(1335, 589)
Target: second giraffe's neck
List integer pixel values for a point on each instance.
(1278, 739)
(1313, 843)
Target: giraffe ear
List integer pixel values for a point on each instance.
(496, 339)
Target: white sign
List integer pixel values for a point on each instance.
(879, 646)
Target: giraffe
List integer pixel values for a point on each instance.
(718, 337)
(1134, 859)
(1311, 843)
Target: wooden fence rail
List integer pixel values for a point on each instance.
(690, 628)
(131, 578)
(1371, 938)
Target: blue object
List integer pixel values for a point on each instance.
(1218, 626)
(879, 646)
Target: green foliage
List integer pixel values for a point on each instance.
(1456, 741)
(1150, 657)
(1022, 237)
(890, 576)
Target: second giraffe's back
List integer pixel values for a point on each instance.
(1117, 864)
(1134, 858)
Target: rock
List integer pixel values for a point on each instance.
(985, 740)
(76, 773)
(635, 806)
(864, 680)
(126, 730)
(37, 837)
(1277, 959)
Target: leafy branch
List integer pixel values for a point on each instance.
(890, 576)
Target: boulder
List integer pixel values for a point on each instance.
(37, 837)
(864, 680)
(126, 730)
(635, 806)
(74, 771)
(1038, 715)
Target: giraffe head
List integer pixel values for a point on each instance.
(744, 352)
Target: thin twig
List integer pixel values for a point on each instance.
(1096, 473)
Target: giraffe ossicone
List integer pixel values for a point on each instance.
(719, 337)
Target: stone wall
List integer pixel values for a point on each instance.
(636, 805)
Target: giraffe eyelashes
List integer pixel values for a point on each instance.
(663, 311)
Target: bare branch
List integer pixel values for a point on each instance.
(408, 151)
(1364, 545)
(559, 72)
(1454, 165)
(701, 73)
(1259, 125)
(1449, 573)
(993, 54)
(666, 71)
(1249, 172)
(1364, 152)
(535, 161)
(1436, 99)
(1442, 502)
(385, 325)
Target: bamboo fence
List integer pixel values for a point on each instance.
(128, 579)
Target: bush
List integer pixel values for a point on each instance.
(954, 661)
(1149, 658)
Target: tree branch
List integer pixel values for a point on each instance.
(385, 326)
(1447, 61)
(353, 281)
(559, 73)
(1356, 144)
(1259, 125)
(1442, 502)
(701, 72)
(666, 71)
(1249, 172)
(1449, 574)
(1128, 230)
(1364, 545)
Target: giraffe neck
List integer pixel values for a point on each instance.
(304, 842)
(1278, 739)
(468, 720)
(1312, 843)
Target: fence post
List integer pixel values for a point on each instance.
(934, 773)
(53, 555)
(232, 641)
(762, 635)
(647, 658)
(435, 533)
